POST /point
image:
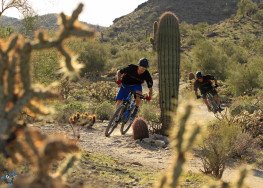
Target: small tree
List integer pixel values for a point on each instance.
(29, 22)
(22, 6)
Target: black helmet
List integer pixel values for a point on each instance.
(143, 62)
(198, 74)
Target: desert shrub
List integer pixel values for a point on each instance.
(244, 79)
(185, 28)
(186, 66)
(258, 46)
(45, 66)
(258, 16)
(246, 7)
(151, 114)
(241, 55)
(125, 37)
(252, 124)
(114, 51)
(64, 111)
(217, 147)
(105, 110)
(210, 59)
(194, 37)
(93, 57)
(248, 41)
(245, 103)
(5, 32)
(201, 27)
(245, 147)
(126, 57)
(102, 91)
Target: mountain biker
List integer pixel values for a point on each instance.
(204, 84)
(130, 79)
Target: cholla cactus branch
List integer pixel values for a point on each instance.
(178, 142)
(17, 94)
(242, 176)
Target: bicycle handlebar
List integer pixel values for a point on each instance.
(139, 95)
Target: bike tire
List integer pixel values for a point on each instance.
(124, 129)
(113, 124)
(213, 104)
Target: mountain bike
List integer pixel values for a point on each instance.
(212, 103)
(124, 114)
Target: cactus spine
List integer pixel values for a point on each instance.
(167, 41)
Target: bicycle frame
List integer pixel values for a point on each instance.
(123, 114)
(211, 101)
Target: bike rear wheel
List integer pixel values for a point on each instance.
(125, 126)
(114, 120)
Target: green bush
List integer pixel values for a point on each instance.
(104, 111)
(210, 59)
(45, 66)
(94, 57)
(114, 51)
(65, 110)
(225, 140)
(194, 37)
(102, 91)
(217, 147)
(258, 16)
(245, 78)
(245, 103)
(150, 113)
(246, 7)
(5, 32)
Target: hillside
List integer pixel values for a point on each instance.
(190, 11)
(47, 21)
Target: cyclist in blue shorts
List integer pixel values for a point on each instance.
(131, 78)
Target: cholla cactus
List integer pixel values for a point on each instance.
(40, 151)
(180, 146)
(17, 95)
(82, 119)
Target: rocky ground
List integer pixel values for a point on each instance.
(120, 161)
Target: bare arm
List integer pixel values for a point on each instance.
(196, 93)
(119, 75)
(215, 81)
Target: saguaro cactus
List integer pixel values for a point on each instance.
(167, 41)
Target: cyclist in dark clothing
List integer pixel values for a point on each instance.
(204, 84)
(131, 78)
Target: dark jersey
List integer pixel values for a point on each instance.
(204, 86)
(131, 76)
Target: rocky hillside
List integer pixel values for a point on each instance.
(47, 21)
(190, 11)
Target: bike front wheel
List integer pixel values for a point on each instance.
(114, 120)
(125, 126)
(213, 104)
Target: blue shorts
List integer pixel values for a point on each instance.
(125, 90)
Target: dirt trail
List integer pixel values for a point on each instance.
(128, 151)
